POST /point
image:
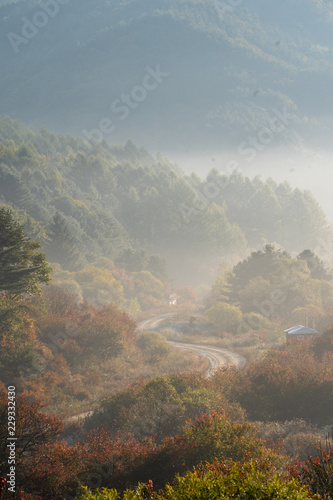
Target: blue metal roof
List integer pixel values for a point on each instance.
(300, 330)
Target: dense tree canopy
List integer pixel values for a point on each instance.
(22, 267)
(141, 211)
(273, 284)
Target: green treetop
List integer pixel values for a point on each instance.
(22, 267)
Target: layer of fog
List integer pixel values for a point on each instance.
(305, 169)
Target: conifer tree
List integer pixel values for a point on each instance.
(22, 267)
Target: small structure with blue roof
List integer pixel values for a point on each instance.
(301, 332)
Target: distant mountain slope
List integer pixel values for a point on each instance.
(114, 201)
(225, 69)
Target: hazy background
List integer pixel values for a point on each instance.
(246, 86)
(228, 69)
(311, 170)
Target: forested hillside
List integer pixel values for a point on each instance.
(269, 291)
(141, 211)
(226, 68)
(165, 222)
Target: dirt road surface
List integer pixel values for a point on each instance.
(217, 356)
(151, 323)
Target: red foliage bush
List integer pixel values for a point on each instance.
(287, 384)
(316, 473)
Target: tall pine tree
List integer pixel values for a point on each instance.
(22, 267)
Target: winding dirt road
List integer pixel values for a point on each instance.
(151, 323)
(217, 356)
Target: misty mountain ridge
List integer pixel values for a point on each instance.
(111, 201)
(230, 70)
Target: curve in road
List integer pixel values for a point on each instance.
(152, 322)
(217, 356)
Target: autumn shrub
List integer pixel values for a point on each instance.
(80, 330)
(67, 339)
(59, 302)
(148, 289)
(221, 480)
(161, 406)
(317, 473)
(33, 427)
(209, 437)
(286, 384)
(72, 352)
(230, 480)
(20, 347)
(106, 332)
(57, 315)
(54, 380)
(301, 445)
(103, 494)
(55, 470)
(323, 345)
(217, 436)
(296, 438)
(58, 470)
(121, 461)
(225, 317)
(153, 345)
(144, 408)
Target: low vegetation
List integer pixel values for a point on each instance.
(108, 410)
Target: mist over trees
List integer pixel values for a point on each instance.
(230, 69)
(122, 203)
(147, 308)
